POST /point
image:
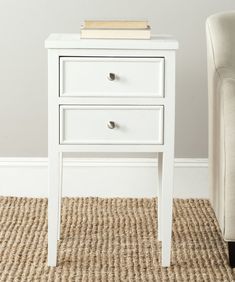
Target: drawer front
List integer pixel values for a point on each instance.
(111, 77)
(111, 124)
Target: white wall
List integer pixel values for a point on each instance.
(25, 24)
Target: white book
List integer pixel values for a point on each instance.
(115, 33)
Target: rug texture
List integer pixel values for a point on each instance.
(110, 240)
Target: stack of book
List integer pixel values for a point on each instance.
(115, 29)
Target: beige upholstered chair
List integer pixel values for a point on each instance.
(220, 30)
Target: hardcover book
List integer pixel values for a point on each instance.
(120, 24)
(116, 33)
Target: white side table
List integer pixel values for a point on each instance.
(111, 96)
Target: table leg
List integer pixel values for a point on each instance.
(159, 195)
(60, 194)
(166, 211)
(53, 206)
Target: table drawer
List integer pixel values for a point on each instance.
(111, 124)
(111, 77)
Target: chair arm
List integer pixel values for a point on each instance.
(227, 95)
(226, 73)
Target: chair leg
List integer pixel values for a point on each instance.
(231, 253)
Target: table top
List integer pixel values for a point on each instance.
(73, 40)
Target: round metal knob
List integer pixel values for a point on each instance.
(111, 76)
(111, 124)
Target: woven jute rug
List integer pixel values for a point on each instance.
(110, 240)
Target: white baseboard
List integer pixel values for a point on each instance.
(27, 177)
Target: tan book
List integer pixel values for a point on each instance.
(116, 33)
(115, 24)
